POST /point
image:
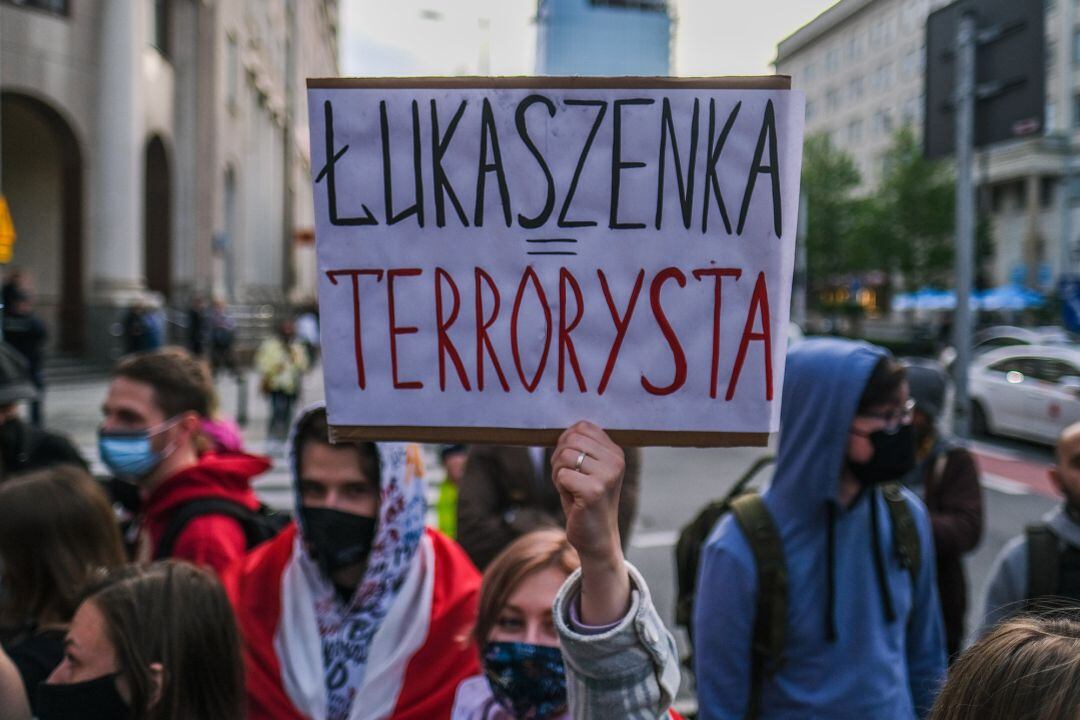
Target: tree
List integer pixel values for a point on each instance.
(829, 176)
(913, 228)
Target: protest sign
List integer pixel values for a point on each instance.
(500, 257)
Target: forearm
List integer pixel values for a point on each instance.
(605, 589)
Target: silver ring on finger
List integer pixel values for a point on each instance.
(580, 460)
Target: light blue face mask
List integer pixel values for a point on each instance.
(129, 453)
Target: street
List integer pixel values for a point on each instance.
(676, 484)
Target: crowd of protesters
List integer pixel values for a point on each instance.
(167, 591)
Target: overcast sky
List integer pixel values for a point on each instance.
(448, 37)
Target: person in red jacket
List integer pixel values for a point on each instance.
(149, 435)
(357, 611)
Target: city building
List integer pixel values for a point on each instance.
(158, 147)
(604, 37)
(861, 64)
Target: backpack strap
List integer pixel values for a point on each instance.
(186, 512)
(1043, 566)
(770, 621)
(905, 531)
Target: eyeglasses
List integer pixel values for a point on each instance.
(894, 419)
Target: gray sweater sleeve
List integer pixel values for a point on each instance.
(629, 672)
(1006, 587)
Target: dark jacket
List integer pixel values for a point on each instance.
(213, 541)
(502, 496)
(24, 448)
(27, 334)
(953, 496)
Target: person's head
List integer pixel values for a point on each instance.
(338, 496)
(151, 415)
(56, 530)
(881, 443)
(1065, 473)
(158, 642)
(1025, 669)
(515, 628)
(287, 329)
(453, 460)
(927, 383)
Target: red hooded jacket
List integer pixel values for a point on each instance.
(214, 541)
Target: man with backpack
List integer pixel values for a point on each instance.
(818, 598)
(196, 507)
(1040, 570)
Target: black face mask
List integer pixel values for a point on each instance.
(894, 457)
(97, 699)
(337, 539)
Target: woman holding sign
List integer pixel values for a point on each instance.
(563, 615)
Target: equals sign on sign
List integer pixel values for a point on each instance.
(558, 246)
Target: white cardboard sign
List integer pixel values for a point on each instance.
(500, 258)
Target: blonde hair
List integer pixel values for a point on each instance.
(1025, 669)
(527, 555)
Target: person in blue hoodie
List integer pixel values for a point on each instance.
(864, 636)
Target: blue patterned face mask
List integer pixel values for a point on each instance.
(129, 454)
(527, 680)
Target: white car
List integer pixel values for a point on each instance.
(1026, 391)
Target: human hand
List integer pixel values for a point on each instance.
(587, 469)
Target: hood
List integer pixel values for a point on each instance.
(346, 629)
(402, 500)
(823, 382)
(214, 476)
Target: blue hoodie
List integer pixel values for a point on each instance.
(870, 668)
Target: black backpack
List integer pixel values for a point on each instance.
(1053, 579)
(770, 619)
(259, 525)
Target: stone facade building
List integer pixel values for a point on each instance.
(158, 146)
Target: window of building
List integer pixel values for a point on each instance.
(1051, 118)
(855, 131)
(808, 72)
(158, 28)
(877, 33)
(855, 88)
(883, 77)
(1074, 189)
(853, 48)
(1046, 191)
(1076, 111)
(653, 5)
(832, 99)
(832, 60)
(57, 7)
(811, 110)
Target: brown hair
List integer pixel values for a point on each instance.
(529, 554)
(883, 385)
(1025, 669)
(178, 615)
(314, 426)
(56, 529)
(181, 383)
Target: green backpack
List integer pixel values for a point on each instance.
(770, 621)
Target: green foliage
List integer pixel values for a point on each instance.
(828, 177)
(905, 227)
